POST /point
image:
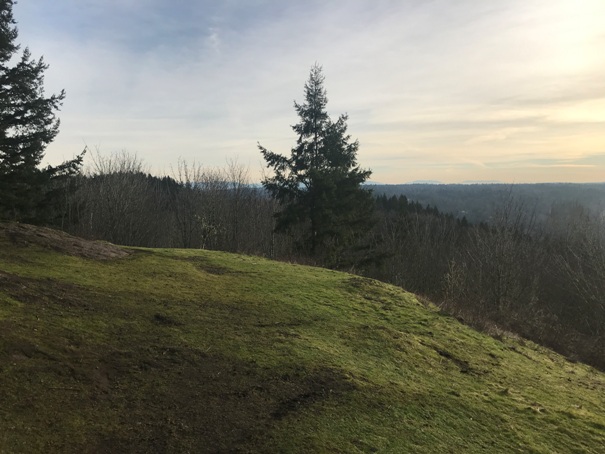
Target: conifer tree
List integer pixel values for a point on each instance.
(319, 185)
(27, 125)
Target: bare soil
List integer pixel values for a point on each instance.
(25, 235)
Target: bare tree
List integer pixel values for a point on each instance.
(118, 201)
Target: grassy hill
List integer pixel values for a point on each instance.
(104, 349)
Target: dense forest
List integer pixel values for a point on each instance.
(477, 202)
(506, 264)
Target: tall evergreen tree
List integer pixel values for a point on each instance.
(27, 125)
(319, 185)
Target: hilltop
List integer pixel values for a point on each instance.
(110, 349)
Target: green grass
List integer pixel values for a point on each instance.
(196, 351)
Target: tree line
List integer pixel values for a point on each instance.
(543, 281)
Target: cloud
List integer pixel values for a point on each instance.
(428, 85)
(499, 135)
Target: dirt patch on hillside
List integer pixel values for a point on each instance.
(45, 292)
(25, 235)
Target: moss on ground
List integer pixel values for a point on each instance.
(195, 351)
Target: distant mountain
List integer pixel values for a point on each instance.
(425, 182)
(482, 182)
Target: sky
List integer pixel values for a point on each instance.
(443, 90)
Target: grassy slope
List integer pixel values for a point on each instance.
(194, 351)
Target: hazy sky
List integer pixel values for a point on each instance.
(448, 90)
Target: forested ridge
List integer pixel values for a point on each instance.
(476, 202)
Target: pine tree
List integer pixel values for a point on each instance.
(27, 125)
(319, 185)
